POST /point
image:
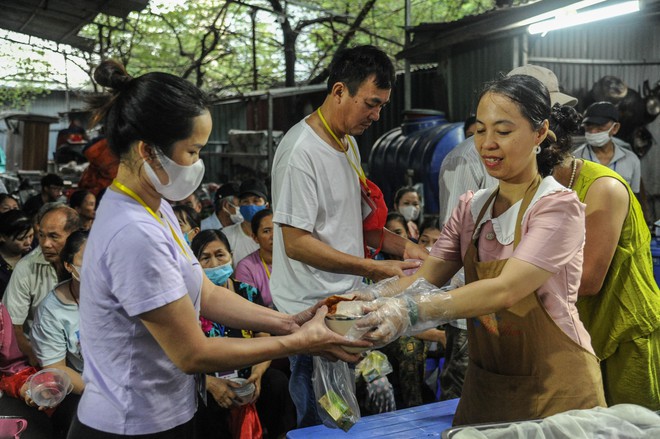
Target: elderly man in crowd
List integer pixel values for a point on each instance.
(37, 273)
(225, 204)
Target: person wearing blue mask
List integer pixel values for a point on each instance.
(252, 198)
(273, 403)
(189, 221)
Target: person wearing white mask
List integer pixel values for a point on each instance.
(225, 202)
(142, 290)
(408, 204)
(601, 124)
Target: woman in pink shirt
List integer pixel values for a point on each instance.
(255, 268)
(521, 246)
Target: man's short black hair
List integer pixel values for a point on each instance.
(353, 66)
(51, 180)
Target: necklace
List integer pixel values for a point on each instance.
(570, 182)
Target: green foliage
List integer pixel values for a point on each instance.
(210, 41)
(26, 80)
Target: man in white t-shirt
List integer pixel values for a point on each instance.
(252, 197)
(318, 247)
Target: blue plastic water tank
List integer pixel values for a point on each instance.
(419, 146)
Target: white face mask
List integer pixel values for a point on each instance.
(598, 140)
(410, 213)
(182, 180)
(234, 217)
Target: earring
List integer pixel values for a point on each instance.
(537, 149)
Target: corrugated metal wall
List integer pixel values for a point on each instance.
(471, 67)
(629, 50)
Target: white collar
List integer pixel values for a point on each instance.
(504, 226)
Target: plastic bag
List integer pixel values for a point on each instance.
(245, 423)
(334, 390)
(373, 366)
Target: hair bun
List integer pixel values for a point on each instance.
(112, 74)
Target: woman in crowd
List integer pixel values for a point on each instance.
(15, 370)
(521, 246)
(16, 235)
(274, 405)
(142, 290)
(408, 204)
(255, 268)
(619, 299)
(429, 232)
(7, 202)
(189, 221)
(84, 202)
(55, 332)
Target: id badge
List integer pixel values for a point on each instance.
(368, 205)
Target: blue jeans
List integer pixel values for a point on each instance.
(302, 391)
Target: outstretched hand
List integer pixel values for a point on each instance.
(318, 339)
(388, 321)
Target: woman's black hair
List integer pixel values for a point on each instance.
(257, 218)
(565, 122)
(72, 246)
(430, 223)
(401, 192)
(204, 238)
(78, 197)
(3, 197)
(471, 119)
(157, 108)
(14, 224)
(396, 216)
(533, 101)
(189, 214)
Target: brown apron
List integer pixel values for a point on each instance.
(522, 365)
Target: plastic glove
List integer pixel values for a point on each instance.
(384, 288)
(389, 320)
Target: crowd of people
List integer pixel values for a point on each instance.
(534, 285)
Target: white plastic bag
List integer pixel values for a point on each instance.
(334, 390)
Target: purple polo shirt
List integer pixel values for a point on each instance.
(132, 265)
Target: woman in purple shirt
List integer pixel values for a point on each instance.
(142, 290)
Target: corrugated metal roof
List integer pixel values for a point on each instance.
(431, 38)
(61, 20)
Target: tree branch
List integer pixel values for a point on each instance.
(318, 79)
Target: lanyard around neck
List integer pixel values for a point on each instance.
(357, 168)
(265, 266)
(129, 192)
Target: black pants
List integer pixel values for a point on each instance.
(275, 408)
(79, 430)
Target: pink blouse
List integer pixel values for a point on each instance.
(553, 236)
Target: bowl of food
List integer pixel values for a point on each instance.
(245, 392)
(342, 316)
(49, 387)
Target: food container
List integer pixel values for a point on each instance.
(245, 392)
(341, 325)
(49, 387)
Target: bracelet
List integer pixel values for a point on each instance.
(413, 311)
